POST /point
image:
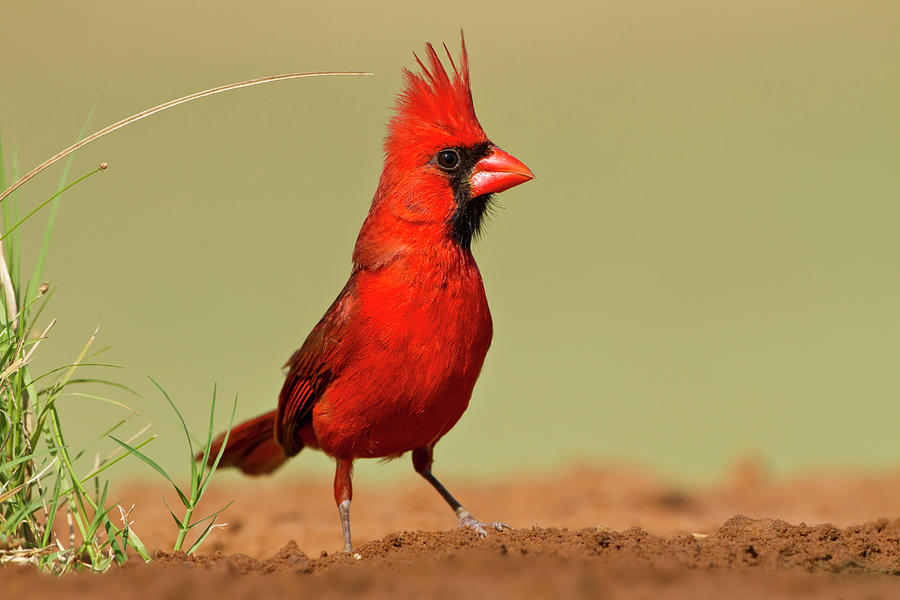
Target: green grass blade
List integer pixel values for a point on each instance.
(112, 536)
(135, 542)
(184, 426)
(54, 505)
(112, 429)
(73, 365)
(48, 200)
(215, 464)
(210, 516)
(5, 467)
(187, 434)
(54, 208)
(10, 213)
(111, 462)
(171, 512)
(201, 537)
(95, 473)
(210, 429)
(100, 513)
(7, 217)
(13, 521)
(152, 464)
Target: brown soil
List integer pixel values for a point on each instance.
(589, 532)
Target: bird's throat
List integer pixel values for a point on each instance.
(465, 224)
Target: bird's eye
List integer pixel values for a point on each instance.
(447, 159)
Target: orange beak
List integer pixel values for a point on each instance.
(496, 172)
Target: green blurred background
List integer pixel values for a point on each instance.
(706, 266)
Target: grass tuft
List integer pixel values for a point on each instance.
(39, 479)
(199, 479)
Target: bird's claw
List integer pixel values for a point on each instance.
(467, 520)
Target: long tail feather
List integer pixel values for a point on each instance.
(251, 447)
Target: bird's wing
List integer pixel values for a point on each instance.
(311, 368)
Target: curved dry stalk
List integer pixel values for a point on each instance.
(171, 103)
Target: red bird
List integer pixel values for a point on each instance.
(391, 366)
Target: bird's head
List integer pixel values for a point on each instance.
(440, 167)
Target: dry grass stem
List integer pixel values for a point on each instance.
(170, 104)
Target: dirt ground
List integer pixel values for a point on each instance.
(616, 532)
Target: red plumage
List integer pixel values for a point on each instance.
(391, 366)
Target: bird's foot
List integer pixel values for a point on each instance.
(467, 520)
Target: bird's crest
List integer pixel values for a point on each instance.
(435, 102)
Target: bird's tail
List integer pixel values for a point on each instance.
(251, 447)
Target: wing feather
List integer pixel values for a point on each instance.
(311, 368)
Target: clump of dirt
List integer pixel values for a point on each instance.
(741, 543)
(290, 559)
(669, 551)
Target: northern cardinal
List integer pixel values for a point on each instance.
(391, 366)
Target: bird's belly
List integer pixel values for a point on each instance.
(385, 428)
(396, 408)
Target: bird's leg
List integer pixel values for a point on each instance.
(422, 460)
(343, 493)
